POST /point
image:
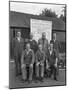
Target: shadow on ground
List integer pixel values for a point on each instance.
(16, 82)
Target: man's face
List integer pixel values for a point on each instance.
(28, 46)
(31, 36)
(40, 47)
(43, 35)
(18, 34)
(51, 46)
(54, 36)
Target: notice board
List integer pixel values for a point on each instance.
(37, 27)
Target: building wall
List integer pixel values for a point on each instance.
(25, 34)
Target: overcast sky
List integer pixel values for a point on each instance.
(34, 8)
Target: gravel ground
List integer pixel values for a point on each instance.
(16, 82)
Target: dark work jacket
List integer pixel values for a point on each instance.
(27, 58)
(33, 45)
(51, 58)
(17, 47)
(40, 56)
(56, 45)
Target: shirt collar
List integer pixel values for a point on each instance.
(28, 51)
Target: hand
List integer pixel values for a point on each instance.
(22, 65)
(55, 65)
(47, 66)
(31, 65)
(38, 63)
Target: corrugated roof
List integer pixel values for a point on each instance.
(23, 20)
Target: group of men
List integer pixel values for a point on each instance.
(35, 58)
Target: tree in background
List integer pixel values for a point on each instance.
(48, 13)
(63, 17)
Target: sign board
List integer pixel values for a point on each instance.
(39, 26)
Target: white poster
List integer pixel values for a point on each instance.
(39, 26)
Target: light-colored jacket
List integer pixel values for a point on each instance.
(44, 44)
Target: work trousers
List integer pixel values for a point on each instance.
(18, 64)
(25, 72)
(53, 70)
(40, 70)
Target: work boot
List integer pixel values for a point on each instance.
(55, 78)
(42, 79)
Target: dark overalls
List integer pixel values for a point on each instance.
(17, 47)
(51, 60)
